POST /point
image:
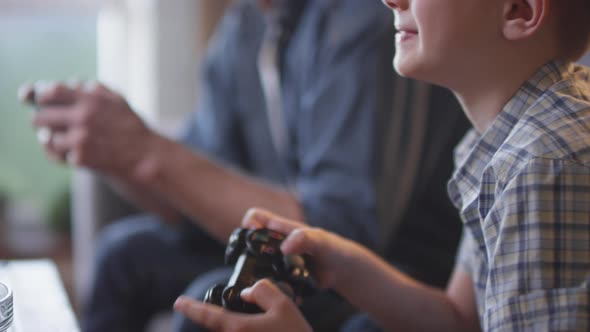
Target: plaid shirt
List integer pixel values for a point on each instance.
(523, 191)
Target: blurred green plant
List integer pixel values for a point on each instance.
(40, 46)
(59, 215)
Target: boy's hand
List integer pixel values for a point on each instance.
(332, 256)
(89, 126)
(280, 313)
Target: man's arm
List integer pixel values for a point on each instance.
(213, 195)
(97, 129)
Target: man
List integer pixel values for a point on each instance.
(334, 104)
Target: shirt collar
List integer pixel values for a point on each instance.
(475, 151)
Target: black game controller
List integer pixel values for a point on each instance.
(256, 254)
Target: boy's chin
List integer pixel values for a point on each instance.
(407, 68)
(415, 71)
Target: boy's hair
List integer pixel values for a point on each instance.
(573, 28)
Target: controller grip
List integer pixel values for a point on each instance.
(214, 295)
(231, 300)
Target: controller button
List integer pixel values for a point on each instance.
(214, 295)
(293, 261)
(260, 237)
(276, 235)
(268, 250)
(296, 272)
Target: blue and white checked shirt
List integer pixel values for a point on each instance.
(523, 191)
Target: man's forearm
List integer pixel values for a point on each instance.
(144, 199)
(215, 196)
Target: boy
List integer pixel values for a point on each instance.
(522, 183)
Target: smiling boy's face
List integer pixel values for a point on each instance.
(438, 39)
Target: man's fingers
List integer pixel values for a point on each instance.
(258, 218)
(26, 93)
(55, 118)
(209, 316)
(52, 93)
(57, 144)
(63, 142)
(266, 295)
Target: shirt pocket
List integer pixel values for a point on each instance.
(557, 309)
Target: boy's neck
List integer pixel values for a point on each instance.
(493, 87)
(485, 88)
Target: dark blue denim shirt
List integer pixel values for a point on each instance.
(334, 65)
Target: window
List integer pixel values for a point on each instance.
(46, 41)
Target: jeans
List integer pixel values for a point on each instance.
(360, 322)
(142, 266)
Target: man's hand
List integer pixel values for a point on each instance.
(90, 126)
(333, 257)
(280, 313)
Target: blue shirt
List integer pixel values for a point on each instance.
(336, 60)
(523, 191)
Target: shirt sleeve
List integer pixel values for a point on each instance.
(336, 132)
(539, 251)
(465, 253)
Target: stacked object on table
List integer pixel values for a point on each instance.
(6, 308)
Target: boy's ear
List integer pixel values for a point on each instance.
(522, 18)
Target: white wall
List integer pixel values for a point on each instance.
(150, 51)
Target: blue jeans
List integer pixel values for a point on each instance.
(142, 266)
(360, 322)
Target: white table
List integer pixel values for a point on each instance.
(40, 301)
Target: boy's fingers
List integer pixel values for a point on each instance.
(259, 218)
(265, 294)
(209, 316)
(253, 219)
(305, 240)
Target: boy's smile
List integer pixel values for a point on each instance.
(482, 50)
(434, 37)
(404, 33)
